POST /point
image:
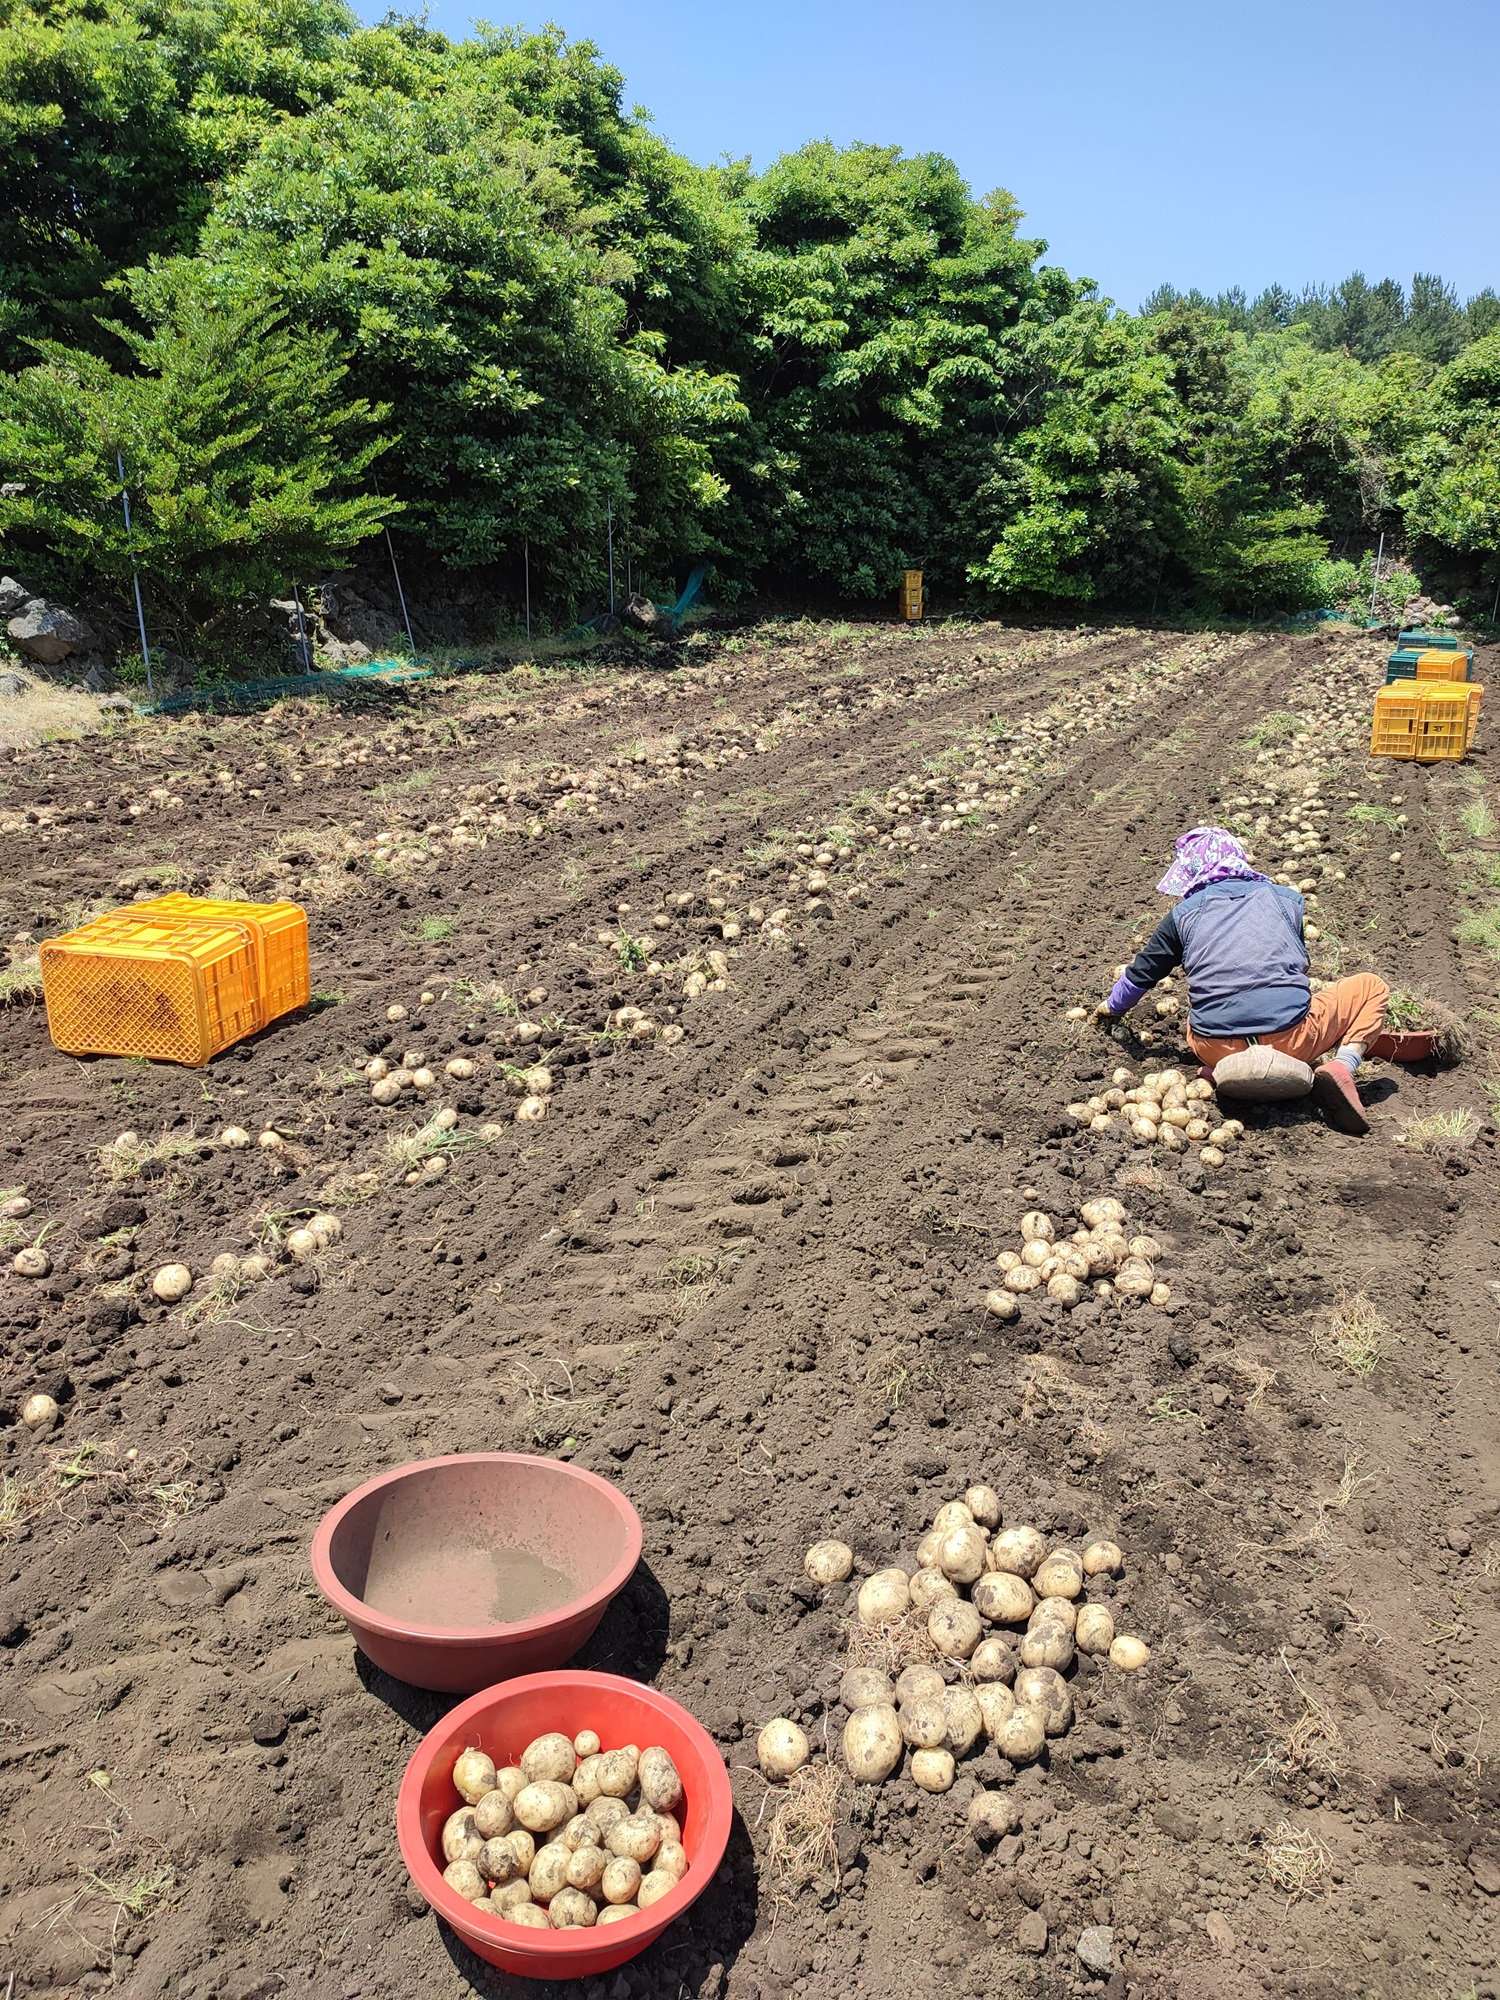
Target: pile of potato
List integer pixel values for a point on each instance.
(389, 1081)
(1101, 1256)
(999, 1606)
(570, 1837)
(1165, 1109)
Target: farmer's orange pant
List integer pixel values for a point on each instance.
(1350, 1010)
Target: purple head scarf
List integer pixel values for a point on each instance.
(1206, 854)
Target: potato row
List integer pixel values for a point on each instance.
(570, 1837)
(1164, 1109)
(1101, 1254)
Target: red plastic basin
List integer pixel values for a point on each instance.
(502, 1721)
(439, 1522)
(1413, 1045)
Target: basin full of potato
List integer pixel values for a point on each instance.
(1102, 1257)
(570, 1837)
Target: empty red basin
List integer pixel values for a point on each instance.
(502, 1721)
(423, 1562)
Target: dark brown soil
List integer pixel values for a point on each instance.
(742, 1277)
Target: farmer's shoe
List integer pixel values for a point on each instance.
(1336, 1097)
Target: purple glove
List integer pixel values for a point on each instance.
(1123, 996)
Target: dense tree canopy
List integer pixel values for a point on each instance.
(302, 277)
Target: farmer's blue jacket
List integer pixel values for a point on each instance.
(1240, 944)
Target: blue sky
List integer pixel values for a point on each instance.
(1198, 141)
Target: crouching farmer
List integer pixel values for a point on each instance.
(1238, 936)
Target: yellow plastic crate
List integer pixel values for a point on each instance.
(1438, 663)
(174, 988)
(1428, 722)
(279, 932)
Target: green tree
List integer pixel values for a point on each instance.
(243, 455)
(1454, 468)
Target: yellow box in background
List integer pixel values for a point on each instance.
(911, 593)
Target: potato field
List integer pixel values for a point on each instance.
(693, 1030)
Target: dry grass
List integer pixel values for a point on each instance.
(1353, 1333)
(1255, 1375)
(1295, 1861)
(1150, 1178)
(1443, 1134)
(77, 1480)
(692, 1279)
(42, 713)
(413, 1148)
(21, 981)
(903, 1642)
(1047, 1390)
(803, 1843)
(1311, 1746)
(125, 1158)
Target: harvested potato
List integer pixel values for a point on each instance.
(1044, 1689)
(993, 1659)
(493, 1813)
(929, 1586)
(1104, 1210)
(543, 1807)
(586, 1743)
(578, 1833)
(872, 1743)
(605, 1813)
(1022, 1279)
(1003, 1598)
(1036, 1253)
(864, 1687)
(1022, 1735)
(983, 1502)
(962, 1552)
(39, 1411)
(549, 1870)
(550, 1757)
(572, 1910)
(1064, 1290)
(1056, 1611)
(466, 1879)
(615, 1913)
(461, 1840)
(952, 1514)
(1002, 1305)
(782, 1748)
(532, 1915)
(1094, 1634)
(932, 1770)
(172, 1282)
(1102, 1559)
(884, 1597)
(992, 1815)
(523, 1846)
(829, 1562)
(621, 1879)
(497, 1861)
(1007, 1260)
(474, 1775)
(1060, 1575)
(510, 1895)
(1047, 1644)
(1018, 1551)
(919, 1680)
(654, 1886)
(1037, 1227)
(924, 1722)
(660, 1782)
(927, 1548)
(586, 1778)
(671, 1858)
(617, 1770)
(636, 1837)
(1130, 1655)
(954, 1627)
(996, 1705)
(965, 1719)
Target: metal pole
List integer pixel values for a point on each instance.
(140, 609)
(1495, 607)
(609, 525)
(400, 593)
(1375, 586)
(526, 558)
(302, 631)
